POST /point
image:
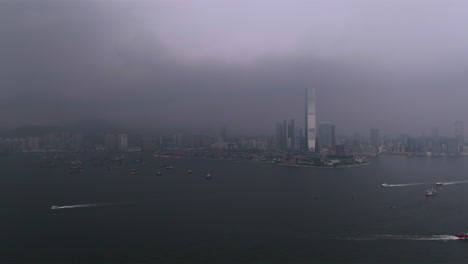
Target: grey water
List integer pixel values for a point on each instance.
(247, 213)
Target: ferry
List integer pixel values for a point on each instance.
(431, 192)
(463, 235)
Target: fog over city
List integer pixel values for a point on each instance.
(400, 66)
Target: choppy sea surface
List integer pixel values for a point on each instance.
(247, 213)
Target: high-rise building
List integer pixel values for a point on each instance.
(224, 134)
(326, 136)
(374, 138)
(109, 141)
(436, 144)
(32, 143)
(310, 120)
(460, 131)
(284, 134)
(291, 134)
(452, 146)
(123, 142)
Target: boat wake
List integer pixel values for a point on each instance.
(421, 183)
(56, 207)
(405, 237)
(455, 182)
(407, 184)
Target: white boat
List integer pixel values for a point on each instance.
(53, 207)
(385, 185)
(439, 183)
(208, 176)
(189, 171)
(159, 173)
(431, 192)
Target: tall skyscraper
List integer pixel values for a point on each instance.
(310, 119)
(460, 131)
(326, 136)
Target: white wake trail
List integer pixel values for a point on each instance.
(56, 207)
(455, 182)
(405, 237)
(408, 184)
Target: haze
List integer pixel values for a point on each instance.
(400, 66)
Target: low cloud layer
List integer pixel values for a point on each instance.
(199, 65)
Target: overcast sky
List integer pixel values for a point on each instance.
(401, 66)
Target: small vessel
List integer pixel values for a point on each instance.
(189, 171)
(134, 171)
(439, 183)
(53, 207)
(208, 176)
(463, 235)
(431, 192)
(169, 168)
(385, 185)
(158, 173)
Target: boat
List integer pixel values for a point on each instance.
(53, 207)
(385, 185)
(75, 170)
(169, 168)
(431, 192)
(208, 176)
(189, 171)
(463, 235)
(133, 170)
(439, 183)
(158, 173)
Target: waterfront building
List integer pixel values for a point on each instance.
(340, 150)
(374, 138)
(123, 142)
(32, 143)
(436, 144)
(148, 144)
(326, 136)
(109, 142)
(291, 134)
(460, 132)
(310, 120)
(452, 146)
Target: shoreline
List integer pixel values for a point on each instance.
(324, 167)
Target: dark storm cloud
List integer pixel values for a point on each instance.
(397, 65)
